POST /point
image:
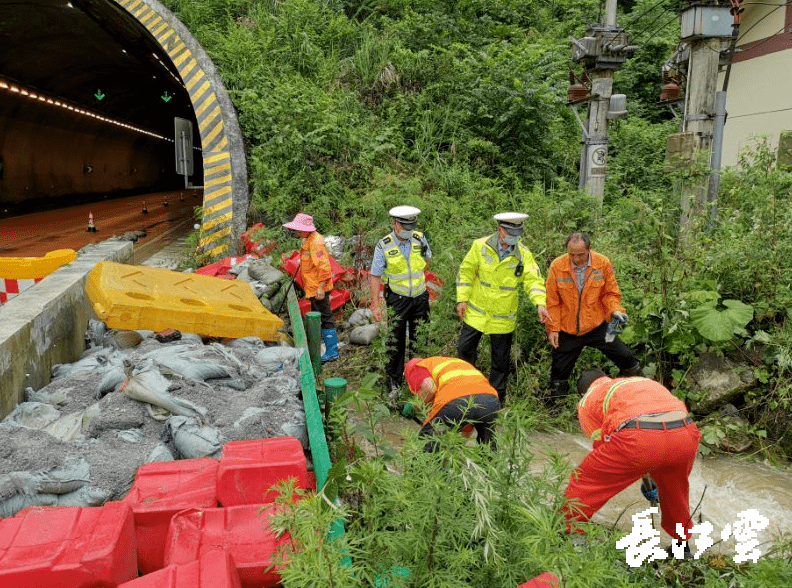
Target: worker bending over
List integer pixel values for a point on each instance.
(456, 394)
(638, 427)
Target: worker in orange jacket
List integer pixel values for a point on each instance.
(317, 279)
(637, 427)
(456, 393)
(582, 297)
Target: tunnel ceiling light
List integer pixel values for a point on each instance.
(4, 85)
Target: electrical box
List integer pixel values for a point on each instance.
(706, 22)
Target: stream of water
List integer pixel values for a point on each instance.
(721, 487)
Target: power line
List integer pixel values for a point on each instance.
(758, 113)
(746, 31)
(658, 29)
(645, 12)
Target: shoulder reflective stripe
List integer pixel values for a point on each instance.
(399, 276)
(538, 290)
(600, 277)
(463, 284)
(440, 366)
(456, 374)
(565, 280)
(485, 284)
(508, 288)
(616, 386)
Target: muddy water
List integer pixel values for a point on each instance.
(722, 487)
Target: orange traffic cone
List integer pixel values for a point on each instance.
(145, 210)
(91, 226)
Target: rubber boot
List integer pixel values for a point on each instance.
(635, 370)
(330, 338)
(559, 389)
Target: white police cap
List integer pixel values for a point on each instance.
(512, 222)
(406, 215)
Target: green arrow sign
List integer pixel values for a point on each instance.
(166, 97)
(99, 95)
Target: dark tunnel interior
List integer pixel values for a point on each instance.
(88, 104)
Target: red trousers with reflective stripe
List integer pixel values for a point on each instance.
(629, 454)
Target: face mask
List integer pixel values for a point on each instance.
(511, 239)
(403, 234)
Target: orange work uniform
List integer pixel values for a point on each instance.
(578, 313)
(315, 265)
(462, 395)
(624, 451)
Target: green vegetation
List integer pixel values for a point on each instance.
(458, 107)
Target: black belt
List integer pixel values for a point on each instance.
(657, 425)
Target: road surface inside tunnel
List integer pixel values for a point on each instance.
(38, 233)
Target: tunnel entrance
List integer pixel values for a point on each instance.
(89, 94)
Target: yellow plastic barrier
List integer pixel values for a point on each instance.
(31, 268)
(136, 297)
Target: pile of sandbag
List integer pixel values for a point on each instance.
(132, 398)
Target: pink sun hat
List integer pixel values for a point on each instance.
(301, 222)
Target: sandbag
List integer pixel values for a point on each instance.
(87, 496)
(275, 358)
(70, 476)
(264, 272)
(148, 385)
(160, 453)
(364, 335)
(361, 316)
(182, 360)
(98, 360)
(193, 440)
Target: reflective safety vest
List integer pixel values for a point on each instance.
(403, 276)
(489, 286)
(453, 378)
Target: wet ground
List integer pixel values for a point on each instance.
(721, 487)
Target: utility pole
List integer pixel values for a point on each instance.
(602, 51)
(704, 26)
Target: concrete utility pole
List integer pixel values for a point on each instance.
(704, 26)
(602, 51)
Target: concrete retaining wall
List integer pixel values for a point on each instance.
(46, 324)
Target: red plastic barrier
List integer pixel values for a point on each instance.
(338, 298)
(214, 569)
(243, 531)
(545, 580)
(251, 241)
(219, 269)
(68, 547)
(249, 468)
(162, 489)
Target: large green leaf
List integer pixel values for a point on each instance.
(719, 325)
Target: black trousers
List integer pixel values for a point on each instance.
(479, 410)
(323, 307)
(408, 313)
(467, 349)
(569, 348)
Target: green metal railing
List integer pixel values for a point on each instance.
(313, 414)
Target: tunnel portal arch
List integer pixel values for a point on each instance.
(226, 198)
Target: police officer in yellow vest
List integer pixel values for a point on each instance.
(400, 259)
(487, 285)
